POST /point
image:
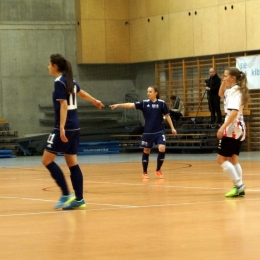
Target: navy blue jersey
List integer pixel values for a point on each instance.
(153, 114)
(60, 93)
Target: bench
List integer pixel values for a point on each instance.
(4, 126)
(8, 133)
(179, 141)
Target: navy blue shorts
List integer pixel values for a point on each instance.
(229, 146)
(148, 140)
(55, 145)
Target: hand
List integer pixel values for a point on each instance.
(63, 136)
(174, 132)
(207, 88)
(113, 106)
(220, 133)
(98, 104)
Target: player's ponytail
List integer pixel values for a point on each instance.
(64, 66)
(69, 77)
(241, 81)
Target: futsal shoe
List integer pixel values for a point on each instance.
(75, 205)
(159, 174)
(236, 191)
(145, 175)
(241, 190)
(64, 200)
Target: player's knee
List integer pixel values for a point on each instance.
(220, 159)
(147, 151)
(161, 148)
(45, 162)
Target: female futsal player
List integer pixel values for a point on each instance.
(65, 137)
(233, 131)
(153, 110)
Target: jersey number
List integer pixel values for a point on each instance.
(50, 138)
(72, 100)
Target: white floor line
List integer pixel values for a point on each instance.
(44, 200)
(130, 207)
(163, 186)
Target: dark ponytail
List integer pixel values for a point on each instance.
(64, 66)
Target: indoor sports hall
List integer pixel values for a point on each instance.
(183, 216)
(129, 52)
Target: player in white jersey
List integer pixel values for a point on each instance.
(233, 131)
(153, 110)
(65, 137)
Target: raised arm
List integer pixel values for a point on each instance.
(222, 89)
(84, 95)
(123, 105)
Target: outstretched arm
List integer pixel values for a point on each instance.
(84, 95)
(123, 105)
(169, 121)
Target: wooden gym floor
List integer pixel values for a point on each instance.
(184, 216)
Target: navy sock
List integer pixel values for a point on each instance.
(58, 176)
(160, 160)
(145, 161)
(77, 181)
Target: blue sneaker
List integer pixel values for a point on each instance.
(64, 200)
(75, 205)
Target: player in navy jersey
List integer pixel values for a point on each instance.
(153, 110)
(233, 132)
(65, 137)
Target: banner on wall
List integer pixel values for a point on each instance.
(251, 66)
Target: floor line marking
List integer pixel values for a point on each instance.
(164, 186)
(126, 207)
(45, 200)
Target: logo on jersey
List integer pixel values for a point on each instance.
(148, 105)
(49, 145)
(155, 106)
(144, 143)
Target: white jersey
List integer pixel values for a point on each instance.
(237, 128)
(226, 93)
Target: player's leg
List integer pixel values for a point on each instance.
(235, 162)
(147, 141)
(161, 142)
(225, 151)
(145, 161)
(160, 160)
(76, 175)
(58, 176)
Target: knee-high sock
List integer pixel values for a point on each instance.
(230, 170)
(239, 171)
(145, 161)
(58, 176)
(77, 181)
(160, 160)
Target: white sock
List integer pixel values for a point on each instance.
(238, 170)
(230, 170)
